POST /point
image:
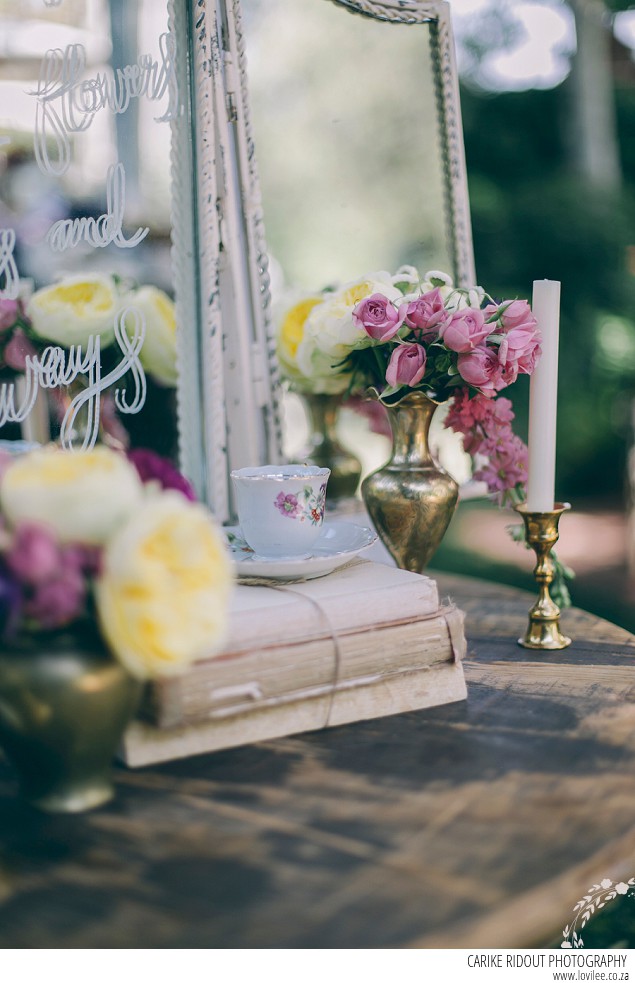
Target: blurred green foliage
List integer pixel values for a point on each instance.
(533, 218)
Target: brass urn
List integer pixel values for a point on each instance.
(64, 704)
(324, 448)
(411, 499)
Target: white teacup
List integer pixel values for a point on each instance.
(280, 507)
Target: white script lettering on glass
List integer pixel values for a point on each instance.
(67, 103)
(69, 232)
(9, 279)
(57, 367)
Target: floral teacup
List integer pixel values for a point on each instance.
(281, 507)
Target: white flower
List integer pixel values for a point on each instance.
(82, 495)
(162, 596)
(319, 373)
(455, 298)
(68, 312)
(330, 324)
(621, 888)
(158, 353)
(440, 279)
(407, 274)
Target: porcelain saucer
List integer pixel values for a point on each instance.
(338, 542)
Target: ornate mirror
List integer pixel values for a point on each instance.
(357, 128)
(127, 311)
(128, 189)
(358, 134)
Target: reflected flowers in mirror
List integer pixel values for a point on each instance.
(391, 334)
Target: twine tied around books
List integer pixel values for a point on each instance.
(337, 651)
(452, 616)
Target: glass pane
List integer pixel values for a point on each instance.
(345, 128)
(87, 91)
(345, 124)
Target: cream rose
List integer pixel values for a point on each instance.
(330, 325)
(158, 353)
(68, 312)
(163, 592)
(316, 375)
(82, 495)
(320, 373)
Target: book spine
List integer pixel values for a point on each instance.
(310, 670)
(144, 744)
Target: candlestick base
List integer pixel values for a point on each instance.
(541, 530)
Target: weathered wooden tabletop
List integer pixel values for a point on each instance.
(473, 825)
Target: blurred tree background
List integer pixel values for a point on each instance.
(552, 189)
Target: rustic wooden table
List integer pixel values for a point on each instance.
(473, 825)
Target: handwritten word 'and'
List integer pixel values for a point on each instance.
(66, 103)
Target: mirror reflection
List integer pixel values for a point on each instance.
(351, 166)
(87, 93)
(346, 132)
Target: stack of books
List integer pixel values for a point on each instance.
(366, 641)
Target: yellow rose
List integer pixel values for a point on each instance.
(82, 495)
(163, 592)
(313, 373)
(158, 353)
(67, 312)
(291, 333)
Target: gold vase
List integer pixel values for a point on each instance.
(411, 499)
(324, 448)
(64, 704)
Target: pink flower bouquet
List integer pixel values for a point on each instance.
(403, 333)
(396, 334)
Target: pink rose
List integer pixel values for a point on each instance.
(520, 349)
(378, 317)
(9, 312)
(482, 370)
(511, 314)
(34, 556)
(407, 365)
(465, 330)
(17, 349)
(426, 314)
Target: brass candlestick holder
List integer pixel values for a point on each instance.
(541, 530)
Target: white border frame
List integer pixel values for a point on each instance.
(228, 413)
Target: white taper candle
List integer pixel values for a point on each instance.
(543, 400)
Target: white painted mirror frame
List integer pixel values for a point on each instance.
(227, 403)
(228, 375)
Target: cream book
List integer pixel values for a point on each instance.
(358, 596)
(366, 641)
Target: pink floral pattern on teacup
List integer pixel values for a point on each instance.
(308, 505)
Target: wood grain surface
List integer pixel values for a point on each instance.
(478, 824)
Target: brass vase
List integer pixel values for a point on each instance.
(324, 448)
(64, 704)
(411, 499)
